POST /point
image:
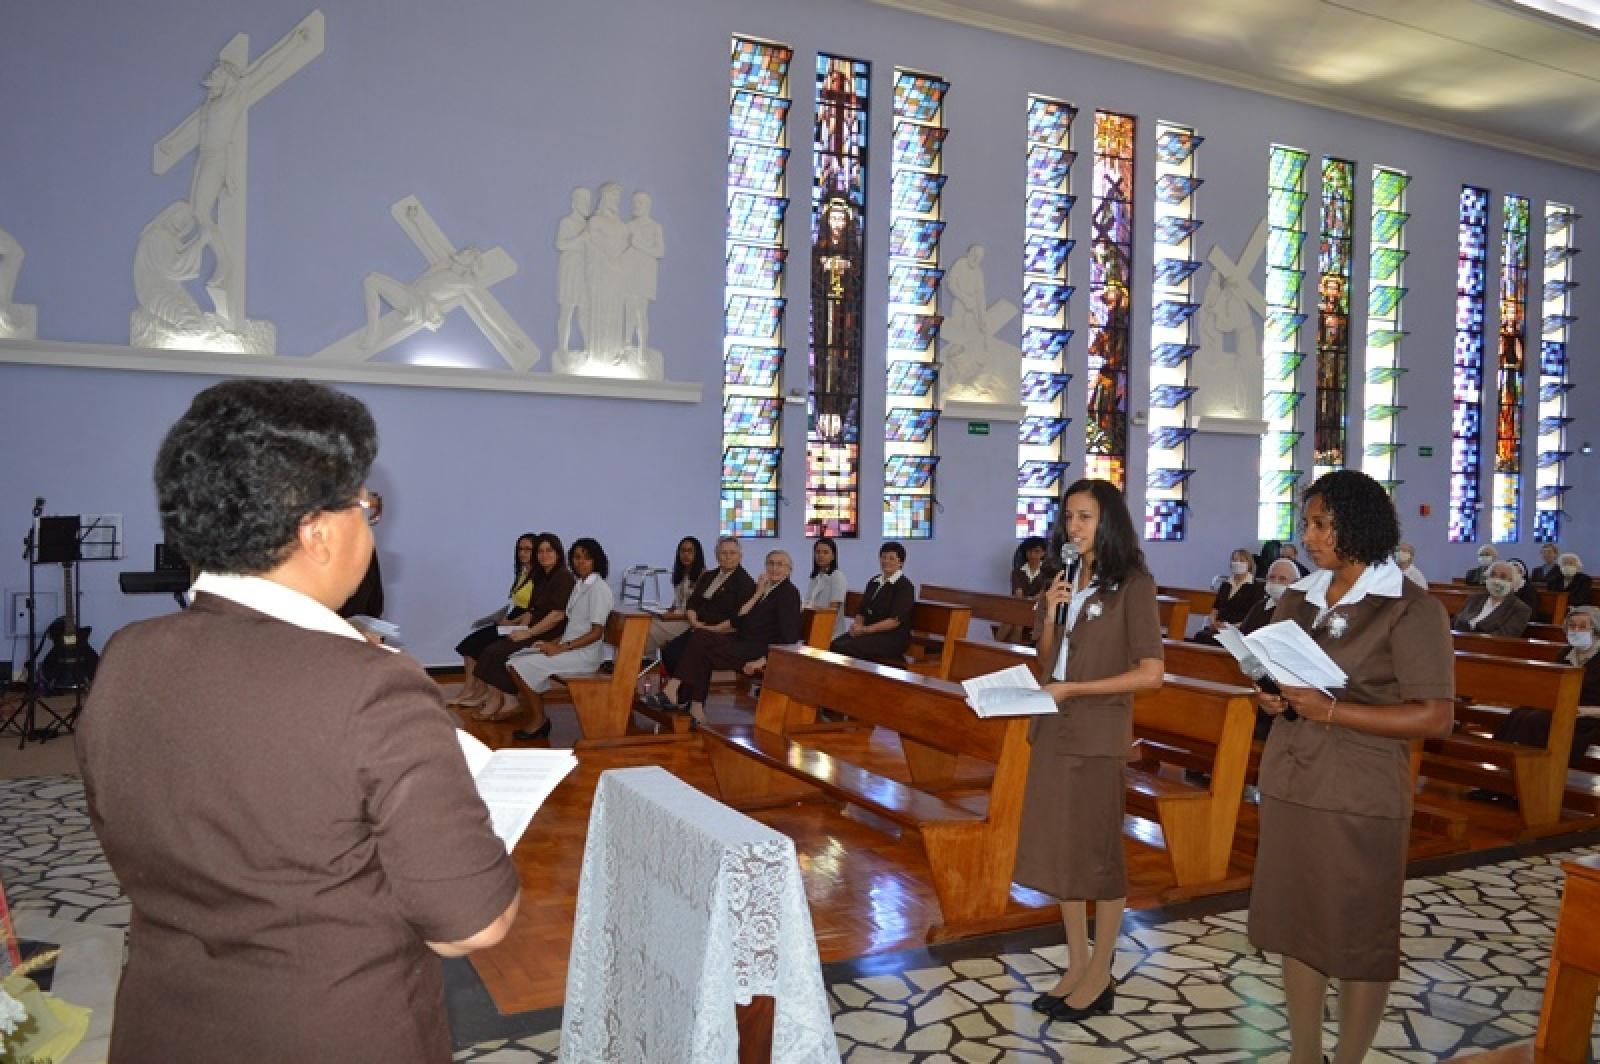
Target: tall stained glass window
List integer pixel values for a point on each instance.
(1171, 332)
(1507, 522)
(911, 420)
(1558, 318)
(1046, 252)
(1333, 314)
(1280, 349)
(753, 288)
(1110, 296)
(1466, 407)
(1386, 274)
(838, 236)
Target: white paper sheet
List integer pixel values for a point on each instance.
(514, 783)
(1011, 692)
(1293, 657)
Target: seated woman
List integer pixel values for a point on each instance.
(544, 619)
(1573, 580)
(827, 588)
(1496, 610)
(1526, 591)
(687, 566)
(1270, 549)
(515, 611)
(1488, 554)
(1029, 580)
(1405, 556)
(770, 616)
(716, 598)
(881, 627)
(1281, 574)
(1549, 567)
(581, 648)
(1235, 596)
(1531, 727)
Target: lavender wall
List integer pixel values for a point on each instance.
(490, 113)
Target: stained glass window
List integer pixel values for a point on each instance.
(753, 288)
(917, 179)
(1172, 332)
(1506, 526)
(1333, 314)
(1046, 254)
(1110, 297)
(838, 236)
(1386, 256)
(1556, 326)
(1281, 355)
(1466, 409)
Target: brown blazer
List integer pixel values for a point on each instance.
(1392, 650)
(292, 820)
(1116, 628)
(1509, 618)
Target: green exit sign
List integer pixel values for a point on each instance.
(1424, 452)
(977, 428)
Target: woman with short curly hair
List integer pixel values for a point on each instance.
(1336, 775)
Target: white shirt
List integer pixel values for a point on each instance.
(825, 589)
(1489, 606)
(275, 600)
(589, 605)
(1413, 574)
(1073, 609)
(1382, 579)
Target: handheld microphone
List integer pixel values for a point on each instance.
(1069, 562)
(1251, 666)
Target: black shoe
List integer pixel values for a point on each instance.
(1048, 1003)
(1100, 1006)
(1481, 794)
(541, 732)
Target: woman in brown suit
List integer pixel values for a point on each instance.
(1110, 647)
(1336, 778)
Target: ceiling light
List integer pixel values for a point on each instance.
(1575, 14)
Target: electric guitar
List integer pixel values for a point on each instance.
(70, 663)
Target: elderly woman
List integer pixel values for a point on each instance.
(881, 627)
(1336, 780)
(1487, 556)
(714, 602)
(1531, 727)
(1496, 610)
(769, 617)
(1281, 575)
(1549, 567)
(1573, 580)
(1405, 556)
(285, 804)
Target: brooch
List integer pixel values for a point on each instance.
(1093, 610)
(1336, 624)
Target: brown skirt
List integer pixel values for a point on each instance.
(1070, 843)
(1328, 889)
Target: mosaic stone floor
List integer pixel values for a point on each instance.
(1476, 944)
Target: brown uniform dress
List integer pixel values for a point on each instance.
(1336, 803)
(291, 818)
(1070, 843)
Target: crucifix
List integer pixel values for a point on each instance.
(218, 133)
(453, 279)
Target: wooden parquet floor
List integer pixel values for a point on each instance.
(870, 891)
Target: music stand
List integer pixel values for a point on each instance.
(51, 541)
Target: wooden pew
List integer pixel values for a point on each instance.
(1174, 616)
(604, 701)
(1197, 599)
(1197, 821)
(1566, 1015)
(1549, 633)
(1537, 776)
(1552, 608)
(971, 846)
(816, 630)
(935, 626)
(1453, 598)
(1507, 646)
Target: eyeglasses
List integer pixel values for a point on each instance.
(371, 507)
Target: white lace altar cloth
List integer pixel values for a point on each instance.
(685, 908)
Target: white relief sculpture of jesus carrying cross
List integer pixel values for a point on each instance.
(218, 133)
(1229, 382)
(454, 278)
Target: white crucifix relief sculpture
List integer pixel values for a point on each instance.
(975, 365)
(1227, 370)
(18, 321)
(172, 247)
(453, 279)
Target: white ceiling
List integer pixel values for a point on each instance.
(1469, 68)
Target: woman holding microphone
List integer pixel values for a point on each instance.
(1336, 780)
(1099, 642)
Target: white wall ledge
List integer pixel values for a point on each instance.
(967, 410)
(1229, 426)
(146, 360)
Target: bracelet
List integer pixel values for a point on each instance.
(1331, 707)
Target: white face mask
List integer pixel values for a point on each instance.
(1275, 591)
(1582, 638)
(1238, 568)
(1498, 587)
(1569, 571)
(1403, 559)
(1486, 558)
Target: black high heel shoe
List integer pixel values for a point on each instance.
(541, 732)
(1047, 1003)
(1100, 1006)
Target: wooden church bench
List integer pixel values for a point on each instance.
(935, 626)
(1508, 646)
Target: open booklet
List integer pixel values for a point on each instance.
(514, 783)
(1287, 653)
(1010, 692)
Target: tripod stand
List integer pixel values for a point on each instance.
(24, 720)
